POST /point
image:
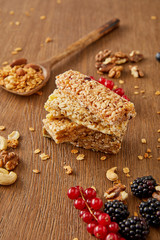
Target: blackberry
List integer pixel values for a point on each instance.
(158, 56)
(143, 187)
(150, 210)
(117, 210)
(134, 228)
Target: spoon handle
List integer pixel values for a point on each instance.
(85, 41)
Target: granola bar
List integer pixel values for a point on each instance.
(63, 130)
(60, 105)
(106, 105)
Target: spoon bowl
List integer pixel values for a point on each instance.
(78, 45)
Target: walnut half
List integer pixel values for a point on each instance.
(8, 160)
(116, 193)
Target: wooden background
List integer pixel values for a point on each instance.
(36, 206)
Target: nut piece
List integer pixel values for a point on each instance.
(135, 56)
(44, 156)
(8, 160)
(80, 157)
(120, 58)
(111, 175)
(136, 72)
(32, 65)
(156, 195)
(12, 143)
(115, 72)
(3, 143)
(14, 135)
(116, 193)
(20, 72)
(102, 55)
(19, 62)
(68, 170)
(7, 178)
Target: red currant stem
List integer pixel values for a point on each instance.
(88, 205)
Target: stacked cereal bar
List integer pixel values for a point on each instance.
(87, 114)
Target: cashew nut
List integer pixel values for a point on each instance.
(111, 175)
(7, 178)
(14, 135)
(3, 143)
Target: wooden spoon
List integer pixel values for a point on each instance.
(78, 45)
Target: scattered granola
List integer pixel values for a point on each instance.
(140, 157)
(157, 93)
(148, 150)
(8, 160)
(44, 156)
(35, 171)
(20, 76)
(143, 140)
(103, 158)
(121, 82)
(36, 151)
(158, 158)
(135, 56)
(68, 170)
(80, 157)
(31, 129)
(136, 93)
(158, 130)
(153, 17)
(126, 170)
(136, 72)
(74, 151)
(135, 214)
(159, 140)
(42, 17)
(48, 39)
(17, 23)
(117, 192)
(136, 87)
(2, 128)
(11, 12)
(4, 63)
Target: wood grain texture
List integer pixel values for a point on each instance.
(36, 206)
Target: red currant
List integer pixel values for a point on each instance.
(104, 219)
(109, 84)
(91, 226)
(111, 236)
(96, 203)
(102, 80)
(100, 231)
(113, 227)
(119, 91)
(122, 238)
(97, 213)
(119, 236)
(79, 204)
(89, 202)
(83, 211)
(87, 217)
(90, 193)
(92, 77)
(73, 193)
(125, 97)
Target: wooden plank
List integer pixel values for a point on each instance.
(36, 206)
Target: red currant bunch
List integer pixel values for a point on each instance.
(98, 223)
